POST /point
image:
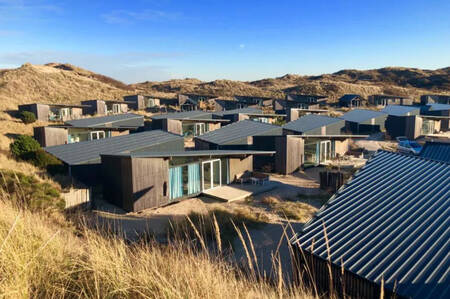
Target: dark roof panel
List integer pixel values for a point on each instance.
(439, 151)
(242, 111)
(399, 110)
(391, 221)
(310, 122)
(239, 130)
(184, 115)
(127, 120)
(89, 151)
(361, 115)
(349, 97)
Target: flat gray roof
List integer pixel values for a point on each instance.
(194, 153)
(183, 115)
(89, 151)
(361, 115)
(391, 221)
(399, 110)
(241, 110)
(135, 120)
(310, 122)
(238, 130)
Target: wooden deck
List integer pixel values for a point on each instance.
(235, 192)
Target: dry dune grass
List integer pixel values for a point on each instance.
(42, 258)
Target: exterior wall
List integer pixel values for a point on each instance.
(214, 126)
(173, 126)
(96, 107)
(373, 125)
(40, 111)
(117, 181)
(119, 133)
(238, 166)
(432, 99)
(150, 183)
(242, 117)
(202, 145)
(310, 269)
(77, 113)
(408, 126)
(379, 100)
(289, 154)
(341, 147)
(137, 102)
(49, 136)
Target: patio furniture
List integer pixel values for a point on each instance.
(259, 178)
(244, 177)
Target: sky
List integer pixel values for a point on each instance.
(151, 40)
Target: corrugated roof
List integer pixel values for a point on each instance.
(238, 130)
(310, 122)
(439, 151)
(400, 110)
(391, 221)
(242, 110)
(89, 151)
(361, 115)
(103, 120)
(195, 153)
(184, 115)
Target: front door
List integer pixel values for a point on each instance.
(211, 174)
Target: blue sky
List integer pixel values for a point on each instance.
(142, 40)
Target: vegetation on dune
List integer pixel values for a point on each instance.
(27, 192)
(23, 146)
(26, 148)
(294, 210)
(41, 258)
(196, 224)
(27, 117)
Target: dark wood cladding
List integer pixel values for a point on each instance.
(289, 154)
(311, 270)
(49, 136)
(134, 184)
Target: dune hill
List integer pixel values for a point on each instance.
(65, 83)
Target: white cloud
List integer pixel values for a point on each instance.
(131, 67)
(242, 46)
(127, 17)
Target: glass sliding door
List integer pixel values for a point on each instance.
(216, 173)
(325, 151)
(211, 174)
(207, 172)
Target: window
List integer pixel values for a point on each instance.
(116, 108)
(97, 135)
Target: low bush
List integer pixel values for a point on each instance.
(27, 117)
(42, 159)
(23, 146)
(206, 228)
(27, 149)
(27, 192)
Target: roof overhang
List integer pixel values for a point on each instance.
(199, 153)
(348, 136)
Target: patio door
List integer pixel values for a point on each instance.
(325, 151)
(211, 174)
(199, 129)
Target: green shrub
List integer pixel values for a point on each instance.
(23, 146)
(44, 160)
(27, 192)
(27, 117)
